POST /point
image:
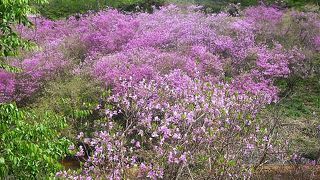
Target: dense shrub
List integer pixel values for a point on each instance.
(74, 97)
(173, 125)
(30, 147)
(236, 47)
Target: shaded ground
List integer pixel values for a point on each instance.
(288, 172)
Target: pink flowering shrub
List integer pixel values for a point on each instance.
(112, 45)
(7, 85)
(305, 26)
(317, 42)
(264, 14)
(38, 68)
(175, 126)
(209, 47)
(107, 31)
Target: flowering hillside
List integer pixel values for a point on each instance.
(185, 87)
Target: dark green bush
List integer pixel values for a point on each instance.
(63, 8)
(75, 98)
(13, 13)
(30, 145)
(219, 5)
(56, 9)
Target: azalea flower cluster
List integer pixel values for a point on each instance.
(214, 47)
(166, 127)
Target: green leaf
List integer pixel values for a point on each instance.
(2, 161)
(232, 163)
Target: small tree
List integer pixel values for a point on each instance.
(30, 145)
(14, 12)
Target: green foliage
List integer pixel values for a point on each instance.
(214, 6)
(143, 5)
(73, 97)
(9, 68)
(30, 145)
(300, 3)
(302, 97)
(56, 9)
(14, 12)
(219, 5)
(63, 8)
(299, 111)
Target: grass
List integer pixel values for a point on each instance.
(303, 100)
(299, 115)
